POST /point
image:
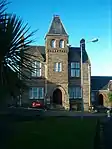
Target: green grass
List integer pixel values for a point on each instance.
(53, 133)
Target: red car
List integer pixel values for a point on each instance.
(37, 104)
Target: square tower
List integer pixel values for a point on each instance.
(57, 63)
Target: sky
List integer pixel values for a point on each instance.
(86, 19)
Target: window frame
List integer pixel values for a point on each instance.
(37, 71)
(75, 70)
(58, 66)
(37, 91)
(73, 92)
(53, 43)
(61, 43)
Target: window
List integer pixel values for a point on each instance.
(75, 92)
(61, 43)
(75, 69)
(36, 93)
(53, 43)
(58, 67)
(92, 97)
(36, 69)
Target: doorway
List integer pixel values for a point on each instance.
(57, 97)
(100, 100)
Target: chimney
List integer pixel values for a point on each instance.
(82, 42)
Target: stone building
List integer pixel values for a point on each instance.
(100, 87)
(57, 71)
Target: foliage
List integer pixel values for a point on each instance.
(110, 96)
(3, 3)
(14, 43)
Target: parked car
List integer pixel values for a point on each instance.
(38, 104)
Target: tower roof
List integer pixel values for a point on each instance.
(57, 27)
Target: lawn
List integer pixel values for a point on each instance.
(53, 133)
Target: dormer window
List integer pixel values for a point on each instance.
(61, 44)
(53, 43)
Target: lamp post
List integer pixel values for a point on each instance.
(81, 48)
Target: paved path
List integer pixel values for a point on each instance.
(36, 112)
(72, 113)
(108, 133)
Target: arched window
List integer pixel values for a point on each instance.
(61, 43)
(53, 43)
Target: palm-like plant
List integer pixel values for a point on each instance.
(3, 3)
(14, 43)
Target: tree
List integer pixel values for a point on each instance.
(14, 57)
(110, 97)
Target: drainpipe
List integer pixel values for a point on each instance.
(89, 79)
(45, 83)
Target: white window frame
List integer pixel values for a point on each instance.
(75, 69)
(36, 69)
(61, 43)
(53, 43)
(58, 67)
(37, 90)
(73, 92)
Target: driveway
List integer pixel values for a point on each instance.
(33, 112)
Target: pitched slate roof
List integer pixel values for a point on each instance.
(38, 51)
(72, 52)
(42, 51)
(57, 27)
(77, 50)
(100, 82)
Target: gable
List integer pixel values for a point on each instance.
(38, 52)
